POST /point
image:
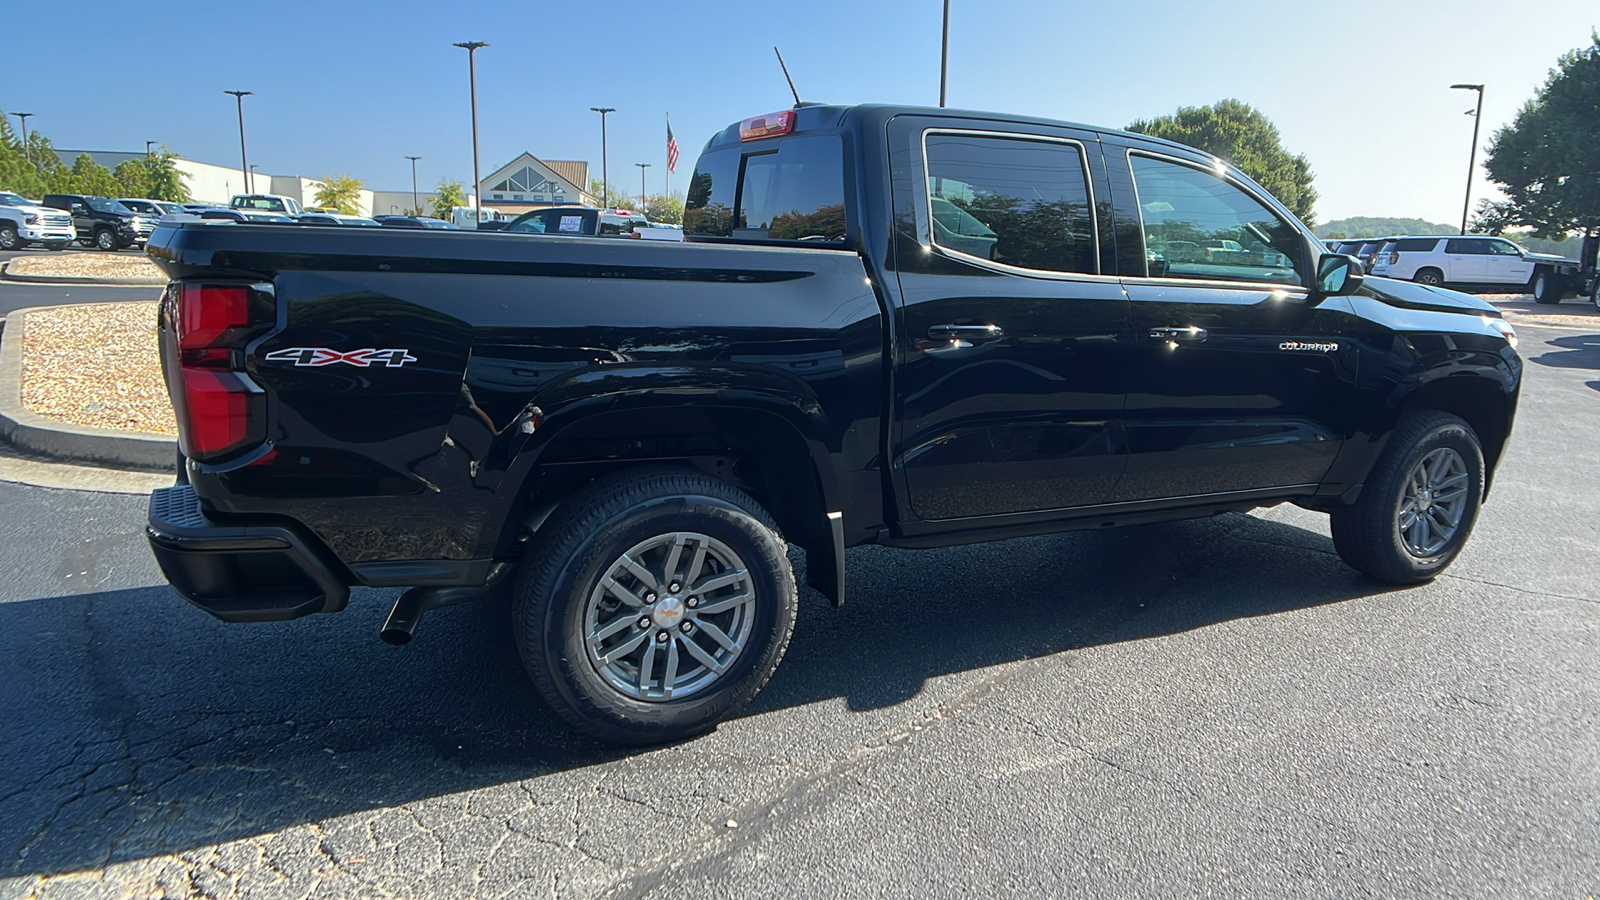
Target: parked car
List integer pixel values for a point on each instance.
(337, 219)
(265, 203)
(629, 435)
(152, 210)
(578, 221)
(416, 222)
(24, 222)
(1473, 262)
(101, 222)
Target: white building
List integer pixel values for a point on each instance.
(527, 183)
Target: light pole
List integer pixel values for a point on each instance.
(944, 52)
(147, 146)
(642, 189)
(1472, 158)
(26, 150)
(472, 78)
(244, 163)
(605, 184)
(415, 206)
(253, 167)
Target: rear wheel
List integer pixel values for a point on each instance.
(1431, 277)
(655, 603)
(1546, 288)
(1594, 291)
(1419, 502)
(105, 239)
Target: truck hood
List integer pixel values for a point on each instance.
(1547, 257)
(32, 209)
(1410, 295)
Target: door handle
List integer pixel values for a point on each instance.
(1187, 333)
(965, 332)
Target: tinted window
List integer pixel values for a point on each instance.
(1184, 209)
(1459, 245)
(792, 190)
(1349, 247)
(1012, 200)
(1416, 245)
(1504, 248)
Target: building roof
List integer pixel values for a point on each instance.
(562, 172)
(108, 158)
(575, 171)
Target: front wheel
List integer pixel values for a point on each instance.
(1419, 502)
(105, 239)
(9, 240)
(654, 603)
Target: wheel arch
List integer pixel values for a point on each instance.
(1483, 403)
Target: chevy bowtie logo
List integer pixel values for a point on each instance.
(323, 356)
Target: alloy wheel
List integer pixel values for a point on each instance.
(670, 617)
(1434, 502)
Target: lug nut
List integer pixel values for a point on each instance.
(661, 637)
(686, 627)
(693, 602)
(649, 596)
(644, 621)
(674, 587)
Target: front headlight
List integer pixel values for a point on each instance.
(1505, 329)
(30, 218)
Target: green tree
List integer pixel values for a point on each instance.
(448, 195)
(614, 197)
(1240, 135)
(89, 177)
(1380, 226)
(133, 179)
(341, 193)
(664, 208)
(16, 173)
(163, 178)
(1548, 159)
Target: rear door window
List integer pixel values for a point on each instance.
(1013, 200)
(1416, 245)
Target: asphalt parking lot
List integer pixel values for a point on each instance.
(1206, 708)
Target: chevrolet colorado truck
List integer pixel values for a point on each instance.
(887, 325)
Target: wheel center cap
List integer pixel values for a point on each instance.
(1425, 499)
(667, 612)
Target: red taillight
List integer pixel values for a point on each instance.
(206, 311)
(213, 402)
(769, 125)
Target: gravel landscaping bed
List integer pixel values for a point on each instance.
(85, 265)
(98, 366)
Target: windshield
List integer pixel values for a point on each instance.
(101, 204)
(9, 199)
(270, 204)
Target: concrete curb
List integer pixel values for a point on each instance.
(5, 274)
(34, 433)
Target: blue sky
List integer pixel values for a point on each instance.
(1362, 88)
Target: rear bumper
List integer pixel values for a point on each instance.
(240, 573)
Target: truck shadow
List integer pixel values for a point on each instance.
(1579, 351)
(136, 727)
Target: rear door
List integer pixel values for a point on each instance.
(1239, 380)
(1466, 260)
(1009, 387)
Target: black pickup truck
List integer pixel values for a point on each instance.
(902, 326)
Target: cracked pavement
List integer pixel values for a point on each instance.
(1214, 707)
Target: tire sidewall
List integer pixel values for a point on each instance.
(560, 617)
(1457, 437)
(8, 238)
(101, 242)
(1430, 278)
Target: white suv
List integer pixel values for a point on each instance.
(1469, 262)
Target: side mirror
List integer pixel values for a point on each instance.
(1338, 275)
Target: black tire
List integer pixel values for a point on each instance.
(106, 239)
(56, 247)
(585, 540)
(1430, 277)
(1546, 288)
(1368, 534)
(9, 240)
(1594, 291)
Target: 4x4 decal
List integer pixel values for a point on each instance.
(323, 356)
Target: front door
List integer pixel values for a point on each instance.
(1466, 261)
(1240, 380)
(1009, 391)
(1504, 263)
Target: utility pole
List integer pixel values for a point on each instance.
(605, 183)
(944, 53)
(415, 206)
(1472, 158)
(244, 162)
(472, 76)
(147, 146)
(26, 150)
(642, 189)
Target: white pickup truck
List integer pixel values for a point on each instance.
(24, 222)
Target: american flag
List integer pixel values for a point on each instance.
(672, 150)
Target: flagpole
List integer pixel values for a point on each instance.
(669, 157)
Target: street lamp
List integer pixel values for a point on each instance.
(147, 146)
(944, 52)
(415, 206)
(1472, 158)
(642, 189)
(26, 150)
(605, 184)
(244, 163)
(253, 167)
(472, 77)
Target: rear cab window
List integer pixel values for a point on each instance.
(783, 190)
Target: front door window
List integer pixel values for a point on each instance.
(1198, 226)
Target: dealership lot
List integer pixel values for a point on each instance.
(1207, 707)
